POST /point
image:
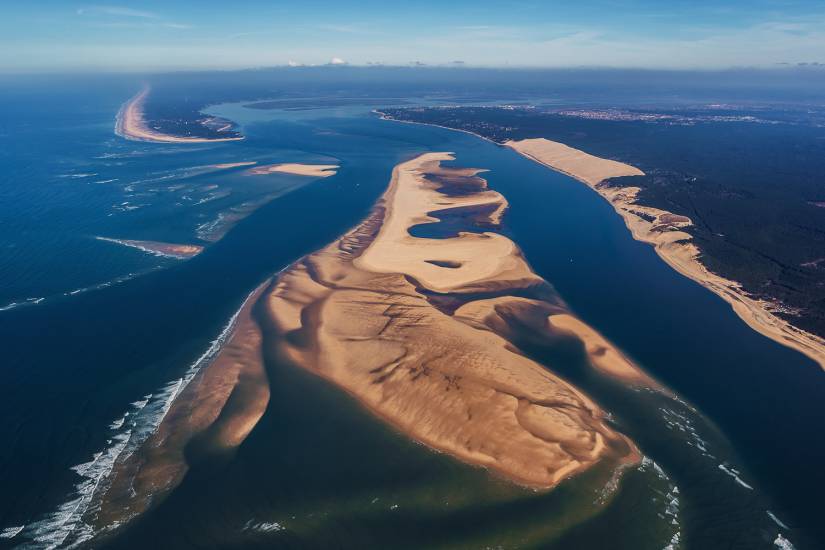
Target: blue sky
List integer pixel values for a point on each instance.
(43, 35)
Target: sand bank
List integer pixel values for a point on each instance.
(211, 417)
(131, 124)
(315, 170)
(170, 250)
(406, 326)
(227, 165)
(663, 230)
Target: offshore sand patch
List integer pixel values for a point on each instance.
(157, 248)
(298, 169)
(664, 230)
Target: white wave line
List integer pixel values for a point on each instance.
(734, 473)
(55, 528)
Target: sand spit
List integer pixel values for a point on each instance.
(131, 124)
(314, 170)
(157, 248)
(408, 327)
(662, 229)
(227, 165)
(209, 419)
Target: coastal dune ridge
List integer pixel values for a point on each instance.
(664, 230)
(131, 124)
(407, 326)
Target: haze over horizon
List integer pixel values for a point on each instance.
(153, 35)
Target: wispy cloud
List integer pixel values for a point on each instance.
(124, 17)
(116, 11)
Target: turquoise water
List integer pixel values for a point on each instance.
(317, 471)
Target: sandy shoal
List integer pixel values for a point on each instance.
(227, 165)
(314, 170)
(131, 124)
(210, 418)
(672, 244)
(364, 314)
(173, 250)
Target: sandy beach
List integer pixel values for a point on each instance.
(663, 230)
(131, 124)
(397, 322)
(314, 170)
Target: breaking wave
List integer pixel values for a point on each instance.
(68, 526)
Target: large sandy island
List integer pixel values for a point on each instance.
(131, 124)
(416, 330)
(662, 229)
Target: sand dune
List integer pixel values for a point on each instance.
(315, 170)
(131, 124)
(662, 229)
(407, 338)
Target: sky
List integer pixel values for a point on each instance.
(65, 35)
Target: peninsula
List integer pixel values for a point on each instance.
(131, 124)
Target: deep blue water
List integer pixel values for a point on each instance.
(75, 363)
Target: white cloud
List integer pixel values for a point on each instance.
(122, 17)
(337, 61)
(117, 11)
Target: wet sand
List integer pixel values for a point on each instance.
(314, 170)
(396, 321)
(210, 418)
(169, 250)
(131, 124)
(663, 230)
(227, 165)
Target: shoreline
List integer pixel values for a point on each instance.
(677, 250)
(207, 420)
(366, 313)
(683, 258)
(130, 124)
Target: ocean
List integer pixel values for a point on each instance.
(99, 338)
